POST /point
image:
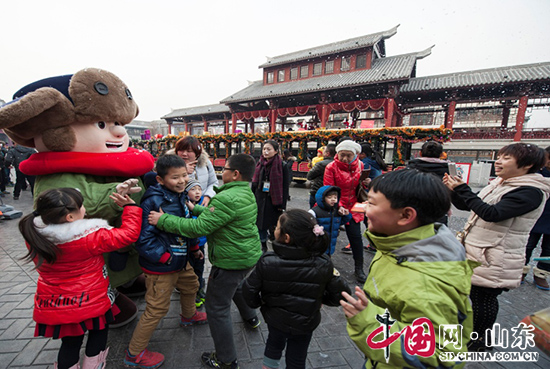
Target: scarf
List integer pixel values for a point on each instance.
(131, 163)
(272, 171)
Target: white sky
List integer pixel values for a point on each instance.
(175, 54)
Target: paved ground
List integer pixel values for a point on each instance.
(330, 347)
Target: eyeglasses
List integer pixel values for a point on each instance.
(225, 168)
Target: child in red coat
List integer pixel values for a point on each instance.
(73, 293)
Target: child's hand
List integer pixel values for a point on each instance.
(198, 255)
(352, 306)
(129, 186)
(154, 216)
(343, 211)
(452, 182)
(190, 205)
(121, 200)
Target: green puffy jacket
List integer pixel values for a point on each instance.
(420, 273)
(229, 223)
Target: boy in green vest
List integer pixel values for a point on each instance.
(234, 247)
(419, 279)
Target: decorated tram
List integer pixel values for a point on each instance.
(393, 143)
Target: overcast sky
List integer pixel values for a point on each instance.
(175, 54)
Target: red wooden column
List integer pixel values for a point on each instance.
(226, 130)
(273, 120)
(233, 122)
(205, 124)
(325, 113)
(520, 119)
(252, 124)
(450, 115)
(186, 127)
(389, 112)
(169, 128)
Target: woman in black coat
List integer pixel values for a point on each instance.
(270, 185)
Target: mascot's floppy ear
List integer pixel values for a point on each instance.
(47, 107)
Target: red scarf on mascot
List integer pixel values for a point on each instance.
(130, 163)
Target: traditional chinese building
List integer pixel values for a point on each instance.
(357, 78)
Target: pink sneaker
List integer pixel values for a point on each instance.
(145, 360)
(198, 318)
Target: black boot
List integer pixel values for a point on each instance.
(264, 247)
(359, 273)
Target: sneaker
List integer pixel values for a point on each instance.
(198, 318)
(6, 192)
(478, 346)
(210, 360)
(16, 197)
(253, 322)
(201, 297)
(347, 249)
(370, 249)
(145, 359)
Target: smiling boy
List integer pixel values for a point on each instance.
(164, 258)
(419, 270)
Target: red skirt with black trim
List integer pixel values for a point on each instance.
(76, 329)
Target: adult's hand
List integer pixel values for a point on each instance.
(205, 201)
(452, 181)
(191, 165)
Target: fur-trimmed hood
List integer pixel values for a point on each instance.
(71, 231)
(203, 159)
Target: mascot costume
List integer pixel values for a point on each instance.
(76, 122)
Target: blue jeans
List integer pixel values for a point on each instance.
(296, 347)
(223, 287)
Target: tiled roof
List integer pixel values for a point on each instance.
(517, 73)
(383, 70)
(198, 110)
(335, 47)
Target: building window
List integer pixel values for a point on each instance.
(294, 73)
(317, 69)
(346, 63)
(304, 71)
(269, 77)
(361, 61)
(281, 76)
(329, 67)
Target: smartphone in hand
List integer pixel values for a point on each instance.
(364, 174)
(452, 169)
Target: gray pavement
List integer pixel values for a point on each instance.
(330, 347)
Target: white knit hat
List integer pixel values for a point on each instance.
(349, 145)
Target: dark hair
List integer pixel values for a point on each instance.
(431, 149)
(525, 155)
(166, 162)
(244, 163)
(331, 150)
(298, 224)
(275, 144)
(424, 192)
(367, 149)
(52, 206)
(189, 143)
(331, 192)
(344, 138)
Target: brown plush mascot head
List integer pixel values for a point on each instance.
(44, 113)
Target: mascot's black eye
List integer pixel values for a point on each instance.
(129, 94)
(117, 124)
(101, 125)
(101, 88)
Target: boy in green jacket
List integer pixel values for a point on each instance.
(418, 282)
(234, 247)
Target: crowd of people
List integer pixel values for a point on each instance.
(266, 256)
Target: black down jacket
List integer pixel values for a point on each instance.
(290, 285)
